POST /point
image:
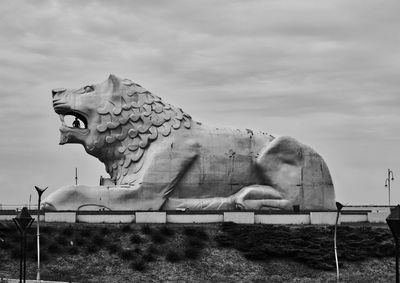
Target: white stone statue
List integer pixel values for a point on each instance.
(159, 158)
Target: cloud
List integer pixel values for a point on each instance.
(323, 71)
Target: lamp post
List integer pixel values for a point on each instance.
(23, 221)
(393, 220)
(40, 191)
(389, 178)
(339, 207)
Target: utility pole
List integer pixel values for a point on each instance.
(389, 178)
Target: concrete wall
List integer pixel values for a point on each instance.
(68, 217)
(195, 218)
(323, 218)
(106, 218)
(317, 218)
(239, 217)
(353, 218)
(9, 217)
(378, 216)
(151, 217)
(282, 219)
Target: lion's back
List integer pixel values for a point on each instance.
(225, 162)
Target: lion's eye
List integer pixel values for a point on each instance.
(88, 88)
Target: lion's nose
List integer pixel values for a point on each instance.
(57, 91)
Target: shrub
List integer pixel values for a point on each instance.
(139, 265)
(173, 256)
(85, 233)
(73, 250)
(149, 257)
(46, 229)
(194, 242)
(43, 240)
(44, 256)
(146, 229)
(158, 238)
(80, 242)
(15, 253)
(166, 231)
(62, 240)
(6, 245)
(68, 231)
(192, 253)
(98, 240)
(92, 248)
(126, 254)
(54, 248)
(153, 250)
(138, 250)
(113, 248)
(104, 231)
(189, 231)
(136, 239)
(126, 228)
(198, 233)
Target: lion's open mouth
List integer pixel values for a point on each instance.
(74, 125)
(73, 120)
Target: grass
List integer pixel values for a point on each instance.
(210, 253)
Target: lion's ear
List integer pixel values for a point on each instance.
(114, 82)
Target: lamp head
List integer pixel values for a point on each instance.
(40, 190)
(339, 206)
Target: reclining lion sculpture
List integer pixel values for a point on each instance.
(158, 157)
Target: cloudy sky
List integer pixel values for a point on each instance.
(325, 72)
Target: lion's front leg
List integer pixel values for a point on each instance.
(165, 165)
(93, 198)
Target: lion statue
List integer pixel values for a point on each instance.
(159, 158)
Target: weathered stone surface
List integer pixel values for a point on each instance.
(158, 157)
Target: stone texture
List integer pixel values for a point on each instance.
(158, 157)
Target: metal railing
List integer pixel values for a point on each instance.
(17, 207)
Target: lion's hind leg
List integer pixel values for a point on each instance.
(255, 197)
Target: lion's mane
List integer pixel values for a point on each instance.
(131, 120)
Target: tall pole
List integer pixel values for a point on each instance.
(397, 260)
(21, 255)
(76, 176)
(339, 207)
(24, 252)
(23, 221)
(40, 192)
(389, 178)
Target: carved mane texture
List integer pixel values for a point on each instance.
(131, 119)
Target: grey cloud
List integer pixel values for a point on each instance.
(325, 71)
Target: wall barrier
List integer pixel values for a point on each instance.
(188, 217)
(289, 219)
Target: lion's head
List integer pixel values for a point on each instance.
(118, 121)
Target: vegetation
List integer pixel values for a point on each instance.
(228, 252)
(309, 245)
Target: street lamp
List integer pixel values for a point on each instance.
(23, 221)
(393, 220)
(339, 207)
(389, 178)
(40, 191)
